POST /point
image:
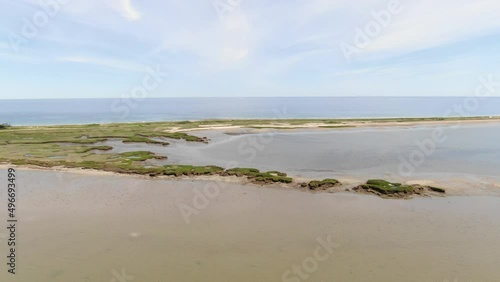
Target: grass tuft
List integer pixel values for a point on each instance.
(139, 139)
(259, 177)
(323, 184)
(386, 187)
(5, 126)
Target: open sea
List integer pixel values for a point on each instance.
(82, 111)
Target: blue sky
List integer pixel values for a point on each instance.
(101, 48)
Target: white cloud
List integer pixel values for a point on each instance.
(127, 10)
(428, 23)
(233, 54)
(276, 43)
(27, 59)
(218, 45)
(97, 10)
(314, 8)
(109, 63)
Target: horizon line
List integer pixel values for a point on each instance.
(243, 97)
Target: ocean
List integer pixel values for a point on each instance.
(84, 111)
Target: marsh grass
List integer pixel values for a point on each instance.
(179, 170)
(323, 184)
(386, 187)
(87, 149)
(259, 177)
(139, 139)
(5, 126)
(74, 144)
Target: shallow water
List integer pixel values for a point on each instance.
(469, 151)
(81, 227)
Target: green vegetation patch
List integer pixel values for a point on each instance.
(323, 184)
(138, 156)
(76, 144)
(259, 177)
(249, 172)
(5, 126)
(179, 170)
(86, 165)
(386, 187)
(139, 139)
(175, 135)
(34, 162)
(86, 149)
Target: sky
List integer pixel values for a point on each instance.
(246, 48)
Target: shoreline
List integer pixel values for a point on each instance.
(355, 124)
(457, 187)
(291, 123)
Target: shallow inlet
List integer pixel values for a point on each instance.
(470, 152)
(87, 226)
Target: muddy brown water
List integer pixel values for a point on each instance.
(83, 227)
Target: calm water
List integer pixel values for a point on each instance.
(77, 111)
(469, 151)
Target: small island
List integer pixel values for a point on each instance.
(387, 189)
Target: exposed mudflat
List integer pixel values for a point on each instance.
(89, 227)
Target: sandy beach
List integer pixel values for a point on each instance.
(257, 127)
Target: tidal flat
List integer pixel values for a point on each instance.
(461, 156)
(89, 226)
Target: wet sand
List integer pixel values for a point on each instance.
(76, 227)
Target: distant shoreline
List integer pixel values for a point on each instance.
(293, 123)
(131, 110)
